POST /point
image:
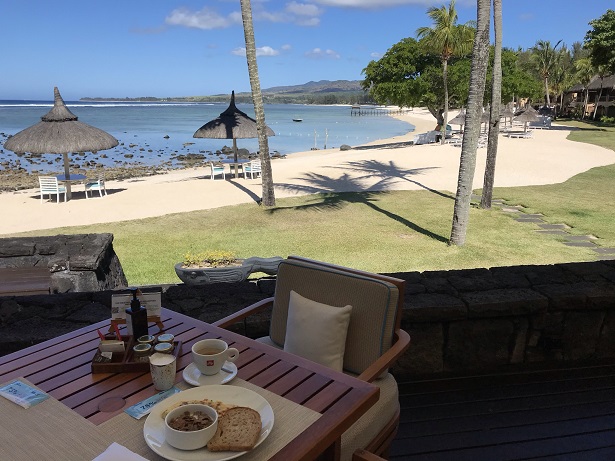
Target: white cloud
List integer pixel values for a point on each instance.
(301, 14)
(286, 47)
(204, 19)
(376, 3)
(308, 22)
(303, 9)
(375, 55)
(262, 51)
(318, 53)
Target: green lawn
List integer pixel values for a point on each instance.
(383, 232)
(585, 202)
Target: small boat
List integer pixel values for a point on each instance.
(297, 120)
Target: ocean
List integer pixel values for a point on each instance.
(152, 134)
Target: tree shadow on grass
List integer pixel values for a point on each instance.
(354, 192)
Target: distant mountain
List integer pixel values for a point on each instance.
(322, 86)
(321, 92)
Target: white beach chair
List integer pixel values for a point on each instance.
(49, 185)
(252, 168)
(216, 170)
(92, 185)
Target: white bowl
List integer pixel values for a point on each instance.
(190, 440)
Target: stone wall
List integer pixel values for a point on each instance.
(484, 320)
(78, 263)
(461, 322)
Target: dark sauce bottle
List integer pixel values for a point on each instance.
(136, 317)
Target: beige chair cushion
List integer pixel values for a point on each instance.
(371, 423)
(317, 331)
(374, 307)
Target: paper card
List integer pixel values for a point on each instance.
(149, 300)
(141, 409)
(22, 394)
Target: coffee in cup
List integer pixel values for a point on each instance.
(209, 355)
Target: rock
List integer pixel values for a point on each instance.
(345, 147)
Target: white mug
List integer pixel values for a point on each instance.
(163, 368)
(210, 354)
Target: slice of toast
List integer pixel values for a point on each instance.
(238, 430)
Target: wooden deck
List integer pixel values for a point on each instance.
(564, 415)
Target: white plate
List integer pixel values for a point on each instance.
(193, 376)
(153, 431)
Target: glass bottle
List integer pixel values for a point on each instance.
(136, 317)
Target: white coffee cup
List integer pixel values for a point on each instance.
(210, 354)
(163, 368)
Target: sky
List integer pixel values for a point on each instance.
(170, 48)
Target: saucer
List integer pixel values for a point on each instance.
(193, 376)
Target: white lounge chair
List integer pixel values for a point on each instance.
(92, 185)
(49, 185)
(252, 168)
(216, 170)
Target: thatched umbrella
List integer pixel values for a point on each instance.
(459, 119)
(505, 113)
(231, 124)
(527, 116)
(59, 132)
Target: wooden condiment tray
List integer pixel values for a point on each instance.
(123, 362)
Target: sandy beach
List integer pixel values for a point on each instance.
(391, 164)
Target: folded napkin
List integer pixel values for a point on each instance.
(117, 452)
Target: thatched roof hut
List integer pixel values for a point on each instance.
(231, 124)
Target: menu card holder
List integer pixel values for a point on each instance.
(150, 299)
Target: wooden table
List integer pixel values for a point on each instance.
(62, 368)
(15, 281)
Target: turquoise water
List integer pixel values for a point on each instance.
(155, 133)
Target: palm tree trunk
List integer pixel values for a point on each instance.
(598, 99)
(585, 101)
(467, 165)
(494, 119)
(547, 91)
(445, 115)
(268, 198)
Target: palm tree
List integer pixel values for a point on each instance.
(563, 75)
(602, 72)
(494, 118)
(268, 198)
(544, 58)
(447, 39)
(584, 72)
(467, 164)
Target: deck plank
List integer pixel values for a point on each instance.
(559, 414)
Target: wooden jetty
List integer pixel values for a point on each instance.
(373, 110)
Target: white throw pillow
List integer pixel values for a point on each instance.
(317, 331)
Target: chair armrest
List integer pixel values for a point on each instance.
(388, 358)
(244, 313)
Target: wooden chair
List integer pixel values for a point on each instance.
(362, 455)
(374, 339)
(49, 186)
(216, 170)
(92, 185)
(252, 168)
